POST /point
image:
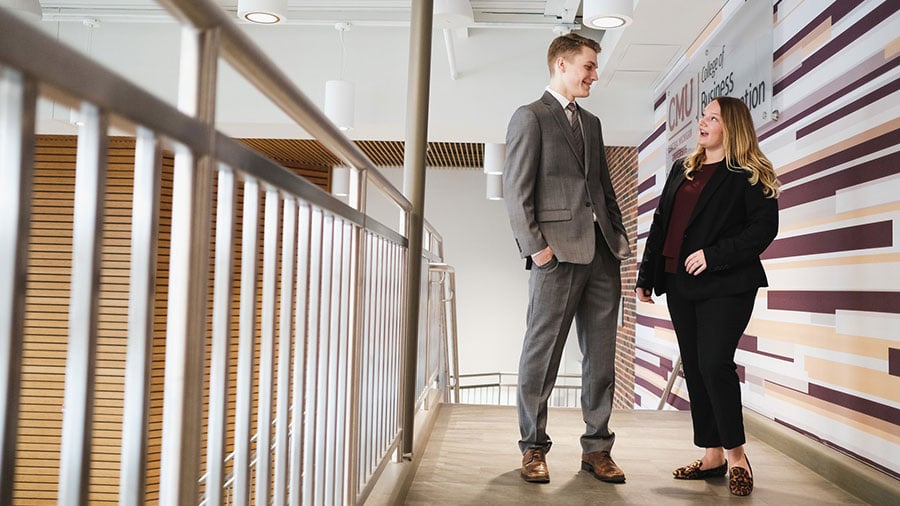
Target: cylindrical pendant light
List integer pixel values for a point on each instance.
(494, 157)
(264, 12)
(339, 103)
(607, 14)
(340, 181)
(494, 186)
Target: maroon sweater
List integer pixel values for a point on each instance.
(685, 200)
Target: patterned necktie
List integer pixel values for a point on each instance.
(576, 128)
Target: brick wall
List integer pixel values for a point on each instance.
(623, 168)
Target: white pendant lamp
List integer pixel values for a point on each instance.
(494, 157)
(607, 14)
(339, 94)
(28, 9)
(263, 12)
(340, 181)
(339, 103)
(494, 189)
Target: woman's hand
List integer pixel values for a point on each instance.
(643, 295)
(695, 263)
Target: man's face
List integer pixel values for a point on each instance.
(577, 73)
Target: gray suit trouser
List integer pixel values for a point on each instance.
(558, 293)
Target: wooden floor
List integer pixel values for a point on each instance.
(472, 459)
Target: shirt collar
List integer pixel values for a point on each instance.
(561, 99)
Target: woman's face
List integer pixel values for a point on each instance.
(711, 134)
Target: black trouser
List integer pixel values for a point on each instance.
(708, 332)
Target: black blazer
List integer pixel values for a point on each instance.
(733, 223)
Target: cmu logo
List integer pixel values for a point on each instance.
(681, 105)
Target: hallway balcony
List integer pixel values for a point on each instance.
(471, 458)
(184, 320)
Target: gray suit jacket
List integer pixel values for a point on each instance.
(551, 192)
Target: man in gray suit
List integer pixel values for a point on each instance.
(567, 224)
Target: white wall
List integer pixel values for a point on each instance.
(491, 281)
(499, 69)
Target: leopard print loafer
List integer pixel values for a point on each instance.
(692, 471)
(740, 481)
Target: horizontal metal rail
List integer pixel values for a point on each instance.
(66, 73)
(252, 63)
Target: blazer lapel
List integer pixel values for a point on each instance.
(562, 121)
(669, 197)
(710, 189)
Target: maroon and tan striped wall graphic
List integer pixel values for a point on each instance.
(822, 352)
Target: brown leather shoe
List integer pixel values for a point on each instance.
(534, 466)
(601, 465)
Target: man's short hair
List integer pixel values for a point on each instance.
(568, 45)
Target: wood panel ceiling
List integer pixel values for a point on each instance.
(312, 154)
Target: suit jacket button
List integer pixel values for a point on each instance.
(587, 204)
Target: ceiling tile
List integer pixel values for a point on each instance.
(633, 78)
(648, 56)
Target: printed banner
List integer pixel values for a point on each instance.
(736, 62)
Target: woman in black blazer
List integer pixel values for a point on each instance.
(717, 213)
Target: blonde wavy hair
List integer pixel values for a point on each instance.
(742, 151)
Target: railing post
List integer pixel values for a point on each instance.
(81, 355)
(223, 283)
(448, 333)
(671, 382)
(271, 232)
(144, 231)
(188, 277)
(246, 343)
(18, 96)
(414, 190)
(286, 336)
(454, 335)
(298, 419)
(356, 343)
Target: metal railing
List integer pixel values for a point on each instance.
(443, 329)
(324, 315)
(499, 388)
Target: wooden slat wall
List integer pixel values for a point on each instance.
(44, 359)
(157, 368)
(310, 153)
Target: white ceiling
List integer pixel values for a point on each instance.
(500, 61)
